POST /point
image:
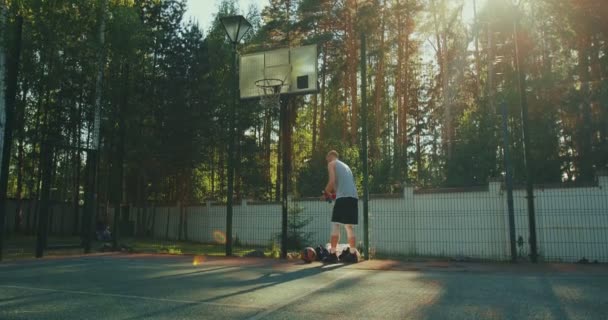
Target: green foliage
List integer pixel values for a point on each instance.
(297, 239)
(167, 96)
(313, 177)
(275, 249)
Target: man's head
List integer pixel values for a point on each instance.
(331, 156)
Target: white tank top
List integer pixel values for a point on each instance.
(345, 182)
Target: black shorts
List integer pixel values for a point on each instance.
(346, 211)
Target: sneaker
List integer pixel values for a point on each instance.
(331, 258)
(350, 257)
(345, 253)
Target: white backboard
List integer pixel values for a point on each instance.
(296, 67)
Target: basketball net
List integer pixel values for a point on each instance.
(270, 93)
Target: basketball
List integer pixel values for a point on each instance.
(309, 255)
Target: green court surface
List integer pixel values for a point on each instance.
(150, 286)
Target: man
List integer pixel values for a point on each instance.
(346, 209)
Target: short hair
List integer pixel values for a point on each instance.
(333, 153)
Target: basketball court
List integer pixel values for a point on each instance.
(120, 286)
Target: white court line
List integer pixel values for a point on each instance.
(132, 297)
(276, 307)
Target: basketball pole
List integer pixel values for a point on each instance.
(364, 147)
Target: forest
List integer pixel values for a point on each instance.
(438, 74)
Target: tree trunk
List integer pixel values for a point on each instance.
(490, 63)
(3, 10)
(442, 61)
(323, 93)
(267, 151)
(180, 226)
(351, 66)
(77, 167)
(599, 107)
(418, 145)
(278, 180)
(221, 168)
(3, 95)
(7, 116)
(477, 57)
(34, 178)
(379, 93)
(212, 164)
(315, 105)
(20, 133)
(399, 89)
(120, 148)
(585, 141)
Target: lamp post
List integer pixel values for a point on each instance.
(525, 135)
(236, 27)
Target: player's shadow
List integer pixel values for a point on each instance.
(270, 279)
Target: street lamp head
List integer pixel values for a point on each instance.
(236, 27)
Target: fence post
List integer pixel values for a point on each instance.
(602, 180)
(410, 210)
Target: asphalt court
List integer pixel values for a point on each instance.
(120, 286)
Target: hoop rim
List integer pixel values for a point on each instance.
(269, 83)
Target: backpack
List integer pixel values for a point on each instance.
(321, 252)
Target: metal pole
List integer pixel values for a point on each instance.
(231, 159)
(508, 182)
(526, 137)
(364, 147)
(285, 145)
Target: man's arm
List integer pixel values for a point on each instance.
(331, 184)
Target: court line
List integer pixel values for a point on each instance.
(112, 295)
(276, 307)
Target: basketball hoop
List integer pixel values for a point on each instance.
(270, 92)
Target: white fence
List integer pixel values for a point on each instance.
(61, 216)
(571, 223)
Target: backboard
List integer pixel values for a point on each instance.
(296, 67)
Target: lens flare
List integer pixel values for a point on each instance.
(219, 237)
(198, 260)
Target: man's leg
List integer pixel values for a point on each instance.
(352, 241)
(335, 237)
